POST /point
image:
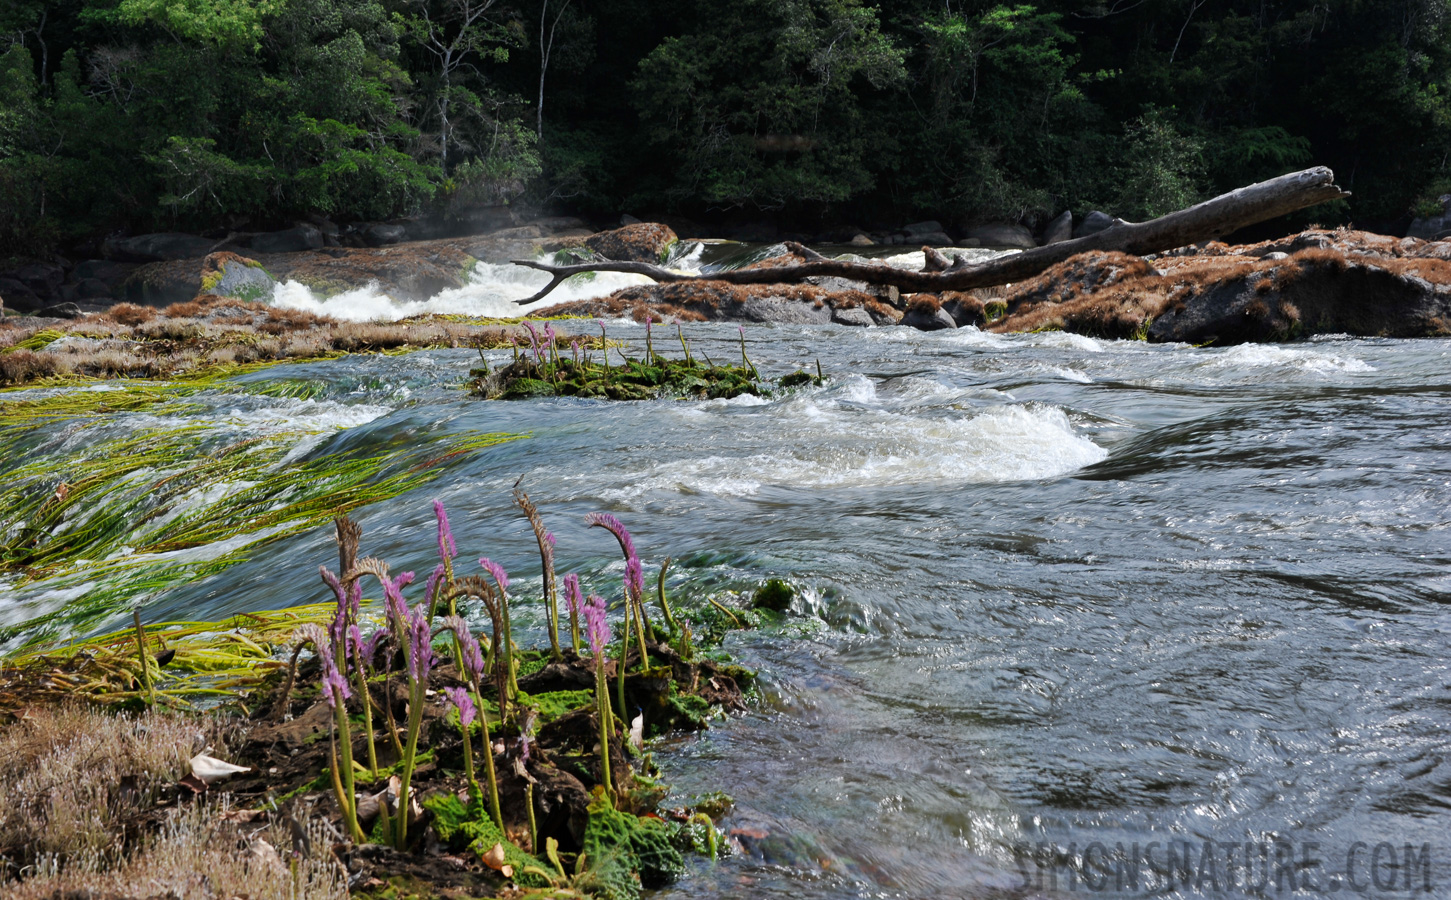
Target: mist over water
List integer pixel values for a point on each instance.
(1054, 590)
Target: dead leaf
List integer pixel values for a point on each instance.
(211, 770)
(494, 859)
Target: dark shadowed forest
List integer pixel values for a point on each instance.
(128, 116)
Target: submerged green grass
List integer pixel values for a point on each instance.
(95, 522)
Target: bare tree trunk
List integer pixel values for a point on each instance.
(1205, 221)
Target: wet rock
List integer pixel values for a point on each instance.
(854, 316)
(1002, 236)
(964, 308)
(1093, 223)
(382, 235)
(43, 279)
(781, 310)
(237, 277)
(106, 270)
(643, 242)
(933, 239)
(144, 248)
(1060, 229)
(925, 313)
(291, 240)
(62, 311)
(93, 289)
(861, 240)
(701, 301)
(627, 219)
(1337, 282)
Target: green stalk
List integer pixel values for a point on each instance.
(624, 655)
(602, 703)
(144, 658)
(638, 603)
(488, 758)
(347, 799)
(362, 680)
(415, 722)
(664, 604)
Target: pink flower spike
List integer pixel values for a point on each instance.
(573, 595)
(634, 576)
(473, 657)
(334, 687)
(611, 524)
(463, 703)
(597, 626)
(420, 645)
(438, 572)
(496, 570)
(446, 548)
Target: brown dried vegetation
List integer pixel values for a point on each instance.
(210, 332)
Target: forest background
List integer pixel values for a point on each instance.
(128, 116)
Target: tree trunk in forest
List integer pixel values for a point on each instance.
(1205, 221)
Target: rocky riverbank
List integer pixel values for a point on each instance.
(1315, 282)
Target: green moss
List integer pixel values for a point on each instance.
(554, 704)
(775, 595)
(623, 852)
(994, 310)
(633, 380)
(469, 827)
(38, 341)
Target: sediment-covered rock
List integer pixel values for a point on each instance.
(701, 301)
(229, 275)
(642, 242)
(1316, 282)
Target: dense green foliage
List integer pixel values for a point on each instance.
(158, 114)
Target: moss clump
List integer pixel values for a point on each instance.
(994, 310)
(38, 341)
(775, 595)
(624, 852)
(634, 380)
(469, 827)
(553, 704)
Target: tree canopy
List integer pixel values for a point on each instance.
(139, 115)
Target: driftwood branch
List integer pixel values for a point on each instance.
(1205, 221)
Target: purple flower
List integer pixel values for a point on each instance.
(334, 686)
(497, 571)
(634, 577)
(597, 627)
(551, 540)
(313, 634)
(446, 548)
(369, 650)
(393, 594)
(473, 657)
(438, 572)
(573, 596)
(610, 523)
(335, 584)
(420, 645)
(355, 641)
(464, 703)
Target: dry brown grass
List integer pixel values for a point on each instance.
(130, 314)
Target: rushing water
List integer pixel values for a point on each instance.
(1055, 591)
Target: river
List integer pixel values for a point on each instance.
(1057, 594)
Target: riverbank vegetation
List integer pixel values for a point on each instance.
(393, 752)
(140, 115)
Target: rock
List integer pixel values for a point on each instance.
(383, 234)
(61, 311)
(754, 233)
(854, 316)
(1433, 228)
(108, 271)
(1339, 282)
(699, 301)
(21, 298)
(237, 277)
(925, 313)
(292, 240)
(781, 311)
(933, 239)
(969, 242)
(92, 289)
(923, 228)
(1060, 229)
(862, 240)
(627, 219)
(556, 224)
(41, 279)
(964, 308)
(1003, 236)
(1275, 255)
(644, 242)
(144, 248)
(1093, 223)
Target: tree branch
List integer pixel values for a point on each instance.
(1205, 221)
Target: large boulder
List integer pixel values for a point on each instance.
(1002, 236)
(1317, 282)
(1060, 229)
(1093, 223)
(44, 280)
(292, 240)
(144, 248)
(925, 313)
(18, 297)
(648, 242)
(111, 272)
(920, 228)
(1435, 227)
(701, 301)
(236, 277)
(383, 234)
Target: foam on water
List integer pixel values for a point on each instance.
(1270, 356)
(836, 443)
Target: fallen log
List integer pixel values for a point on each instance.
(1205, 221)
